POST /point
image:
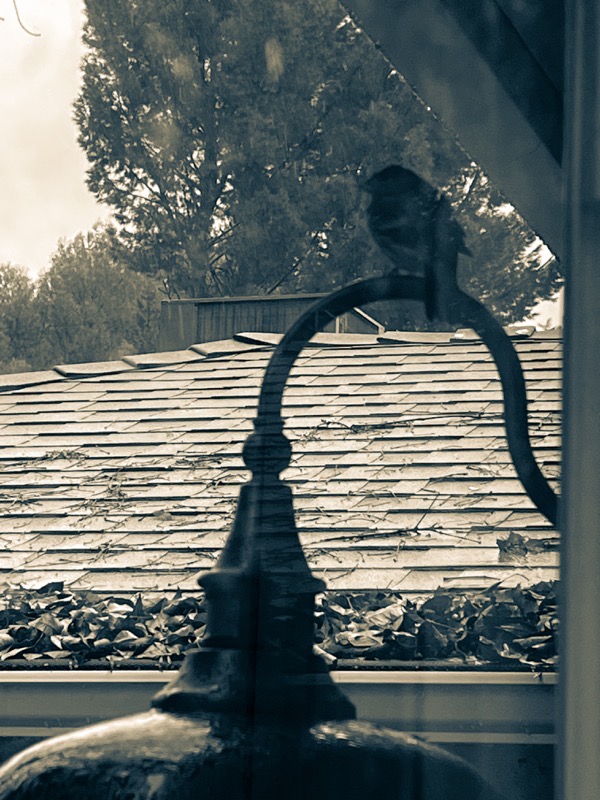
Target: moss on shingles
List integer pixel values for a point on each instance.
(499, 626)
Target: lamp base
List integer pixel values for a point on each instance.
(165, 756)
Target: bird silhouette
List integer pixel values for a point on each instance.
(402, 218)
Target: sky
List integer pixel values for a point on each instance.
(42, 168)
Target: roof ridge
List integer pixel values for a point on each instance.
(244, 341)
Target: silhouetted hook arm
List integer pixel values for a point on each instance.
(460, 308)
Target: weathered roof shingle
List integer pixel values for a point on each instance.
(123, 476)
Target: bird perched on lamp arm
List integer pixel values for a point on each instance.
(405, 216)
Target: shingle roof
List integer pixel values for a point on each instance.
(123, 476)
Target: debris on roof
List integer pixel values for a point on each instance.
(123, 477)
(513, 331)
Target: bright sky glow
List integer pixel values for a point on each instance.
(504, 210)
(42, 169)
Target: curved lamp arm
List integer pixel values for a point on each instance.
(443, 299)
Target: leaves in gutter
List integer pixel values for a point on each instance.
(516, 625)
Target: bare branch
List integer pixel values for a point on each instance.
(20, 21)
(296, 262)
(223, 235)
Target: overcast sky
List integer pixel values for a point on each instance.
(42, 169)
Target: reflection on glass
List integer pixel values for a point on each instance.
(235, 146)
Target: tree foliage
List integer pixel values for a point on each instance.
(91, 307)
(231, 140)
(86, 307)
(17, 318)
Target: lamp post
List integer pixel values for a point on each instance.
(254, 713)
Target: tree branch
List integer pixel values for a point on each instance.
(472, 186)
(297, 261)
(223, 235)
(20, 21)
